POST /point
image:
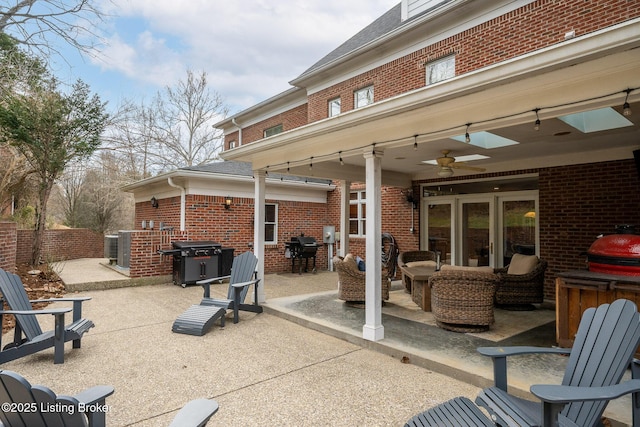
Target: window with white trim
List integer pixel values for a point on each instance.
(441, 69)
(273, 130)
(362, 97)
(334, 107)
(270, 223)
(357, 213)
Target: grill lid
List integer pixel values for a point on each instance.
(616, 253)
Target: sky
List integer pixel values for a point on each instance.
(249, 49)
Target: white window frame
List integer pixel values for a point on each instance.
(274, 223)
(273, 130)
(361, 202)
(335, 102)
(363, 97)
(440, 69)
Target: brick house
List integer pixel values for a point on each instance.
(191, 204)
(538, 98)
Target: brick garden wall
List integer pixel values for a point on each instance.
(61, 245)
(8, 239)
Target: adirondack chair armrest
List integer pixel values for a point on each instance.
(553, 393)
(499, 358)
(53, 311)
(95, 394)
(206, 282)
(195, 413)
(61, 299)
(243, 284)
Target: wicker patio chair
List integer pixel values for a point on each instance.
(520, 291)
(411, 257)
(462, 298)
(352, 282)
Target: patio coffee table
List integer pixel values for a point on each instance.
(420, 291)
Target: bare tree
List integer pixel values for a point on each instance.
(35, 23)
(184, 122)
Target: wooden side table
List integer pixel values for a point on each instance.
(420, 291)
(581, 289)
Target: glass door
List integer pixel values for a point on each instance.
(518, 227)
(476, 233)
(439, 236)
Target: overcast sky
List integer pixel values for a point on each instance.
(249, 49)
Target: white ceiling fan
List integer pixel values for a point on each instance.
(447, 164)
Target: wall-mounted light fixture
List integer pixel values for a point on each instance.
(227, 202)
(154, 202)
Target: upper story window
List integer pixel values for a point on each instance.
(270, 223)
(273, 130)
(334, 107)
(357, 213)
(232, 144)
(442, 69)
(363, 97)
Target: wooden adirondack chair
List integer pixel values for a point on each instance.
(243, 275)
(38, 406)
(28, 335)
(607, 339)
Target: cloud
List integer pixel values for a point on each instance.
(249, 49)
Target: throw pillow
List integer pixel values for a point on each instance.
(448, 267)
(522, 264)
(421, 264)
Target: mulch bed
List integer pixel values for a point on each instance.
(40, 283)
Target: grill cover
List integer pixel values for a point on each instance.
(617, 254)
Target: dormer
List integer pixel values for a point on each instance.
(411, 8)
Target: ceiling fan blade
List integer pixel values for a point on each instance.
(460, 165)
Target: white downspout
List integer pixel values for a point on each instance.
(233, 120)
(183, 202)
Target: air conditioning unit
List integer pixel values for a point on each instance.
(124, 248)
(111, 248)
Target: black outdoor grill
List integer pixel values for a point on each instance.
(195, 260)
(302, 247)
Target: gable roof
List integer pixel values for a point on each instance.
(378, 28)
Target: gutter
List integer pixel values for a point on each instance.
(183, 202)
(233, 120)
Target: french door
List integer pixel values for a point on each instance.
(480, 229)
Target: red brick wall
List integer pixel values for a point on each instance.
(8, 240)
(577, 203)
(60, 245)
(207, 219)
(396, 219)
(291, 119)
(529, 28)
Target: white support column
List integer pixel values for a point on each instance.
(258, 228)
(345, 188)
(373, 329)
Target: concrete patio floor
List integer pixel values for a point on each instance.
(302, 362)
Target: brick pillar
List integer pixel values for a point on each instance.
(8, 242)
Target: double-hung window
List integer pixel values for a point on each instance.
(357, 212)
(273, 130)
(334, 107)
(270, 223)
(441, 69)
(362, 97)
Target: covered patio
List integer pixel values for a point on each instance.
(526, 99)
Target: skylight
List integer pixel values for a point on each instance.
(469, 158)
(596, 120)
(486, 140)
